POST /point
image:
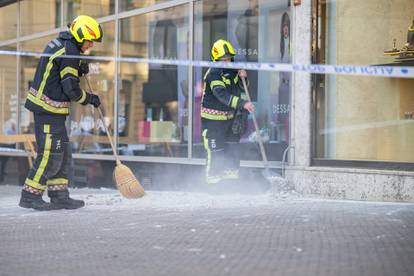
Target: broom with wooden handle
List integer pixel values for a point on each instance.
(273, 178)
(126, 182)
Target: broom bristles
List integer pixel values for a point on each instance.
(127, 183)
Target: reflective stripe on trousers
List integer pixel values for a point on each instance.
(217, 137)
(54, 156)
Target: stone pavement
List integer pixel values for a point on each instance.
(177, 233)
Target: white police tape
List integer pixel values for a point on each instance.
(357, 70)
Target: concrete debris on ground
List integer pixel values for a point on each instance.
(187, 233)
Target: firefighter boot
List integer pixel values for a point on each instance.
(29, 200)
(61, 200)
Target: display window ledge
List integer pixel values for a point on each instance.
(364, 164)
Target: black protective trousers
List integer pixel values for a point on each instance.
(54, 155)
(221, 146)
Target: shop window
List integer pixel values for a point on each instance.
(8, 95)
(8, 105)
(363, 118)
(259, 32)
(154, 97)
(8, 20)
(127, 5)
(39, 16)
(93, 8)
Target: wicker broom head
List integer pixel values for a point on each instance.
(127, 183)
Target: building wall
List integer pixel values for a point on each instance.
(301, 115)
(354, 184)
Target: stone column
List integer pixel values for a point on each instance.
(301, 94)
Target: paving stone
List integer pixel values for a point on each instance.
(172, 233)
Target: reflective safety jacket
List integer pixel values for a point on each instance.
(56, 81)
(221, 94)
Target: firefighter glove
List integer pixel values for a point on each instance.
(83, 68)
(93, 100)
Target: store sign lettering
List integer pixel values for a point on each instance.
(281, 108)
(248, 52)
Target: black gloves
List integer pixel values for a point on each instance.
(92, 99)
(95, 101)
(83, 68)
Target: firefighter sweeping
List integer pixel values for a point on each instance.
(55, 85)
(223, 115)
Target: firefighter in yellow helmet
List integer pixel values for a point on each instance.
(222, 102)
(55, 85)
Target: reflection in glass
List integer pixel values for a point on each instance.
(153, 105)
(8, 107)
(8, 21)
(39, 16)
(362, 118)
(240, 22)
(8, 95)
(93, 8)
(126, 5)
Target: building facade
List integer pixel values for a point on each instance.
(342, 136)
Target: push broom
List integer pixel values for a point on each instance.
(126, 182)
(273, 178)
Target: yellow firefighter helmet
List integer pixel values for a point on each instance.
(84, 28)
(222, 48)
